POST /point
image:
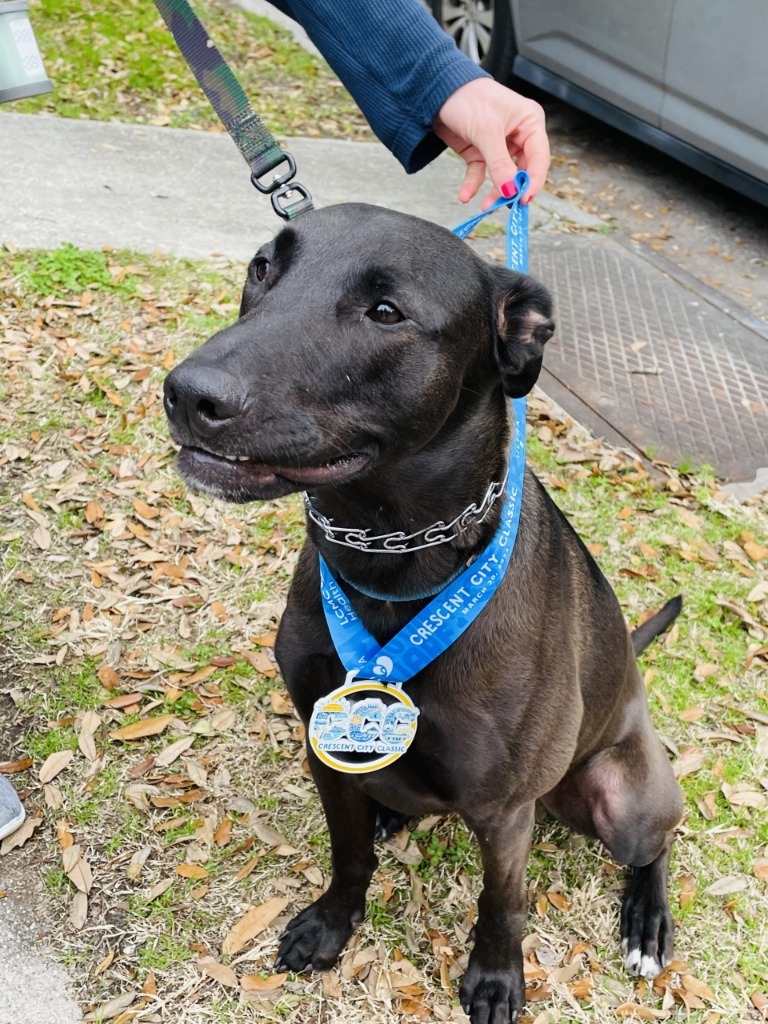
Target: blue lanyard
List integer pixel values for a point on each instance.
(446, 616)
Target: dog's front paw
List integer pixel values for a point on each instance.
(314, 939)
(492, 996)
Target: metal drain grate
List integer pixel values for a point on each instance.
(669, 372)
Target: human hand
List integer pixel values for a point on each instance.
(495, 129)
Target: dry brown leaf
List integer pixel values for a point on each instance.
(219, 972)
(247, 868)
(558, 900)
(167, 756)
(331, 985)
(726, 885)
(223, 833)
(125, 700)
(705, 670)
(137, 862)
(698, 988)
(144, 510)
(760, 1002)
(689, 761)
(689, 518)
(94, 512)
(280, 702)
(255, 982)
(748, 798)
(108, 678)
(582, 989)
(42, 538)
(760, 869)
(20, 836)
(104, 964)
(755, 551)
(636, 1010)
(78, 910)
(64, 834)
(111, 1009)
(218, 611)
(267, 834)
(251, 924)
(261, 661)
(54, 798)
(10, 767)
(54, 764)
(85, 741)
(692, 714)
(77, 868)
(144, 727)
(159, 888)
(191, 871)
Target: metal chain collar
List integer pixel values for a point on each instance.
(398, 543)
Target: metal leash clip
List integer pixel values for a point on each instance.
(280, 188)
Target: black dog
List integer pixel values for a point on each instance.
(370, 365)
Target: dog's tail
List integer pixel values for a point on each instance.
(657, 623)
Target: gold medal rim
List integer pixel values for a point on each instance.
(343, 691)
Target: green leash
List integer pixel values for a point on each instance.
(227, 98)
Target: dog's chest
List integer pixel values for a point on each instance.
(453, 762)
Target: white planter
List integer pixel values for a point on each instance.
(21, 67)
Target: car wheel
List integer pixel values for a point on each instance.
(482, 29)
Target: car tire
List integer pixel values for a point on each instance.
(482, 29)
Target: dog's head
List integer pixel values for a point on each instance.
(362, 333)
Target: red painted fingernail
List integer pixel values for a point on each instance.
(508, 189)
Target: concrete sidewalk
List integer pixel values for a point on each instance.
(188, 192)
(645, 355)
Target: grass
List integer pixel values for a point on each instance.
(137, 587)
(117, 61)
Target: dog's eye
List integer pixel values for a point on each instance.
(260, 267)
(385, 313)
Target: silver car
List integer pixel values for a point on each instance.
(689, 77)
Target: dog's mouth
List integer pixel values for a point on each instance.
(241, 478)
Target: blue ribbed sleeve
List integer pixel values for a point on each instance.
(396, 62)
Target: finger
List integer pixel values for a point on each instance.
(501, 167)
(473, 179)
(535, 161)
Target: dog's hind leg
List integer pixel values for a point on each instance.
(647, 934)
(627, 796)
(493, 989)
(314, 939)
(388, 822)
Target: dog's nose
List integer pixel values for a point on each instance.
(203, 399)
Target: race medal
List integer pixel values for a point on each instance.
(362, 726)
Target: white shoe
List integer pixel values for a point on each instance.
(12, 812)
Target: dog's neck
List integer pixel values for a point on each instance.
(432, 487)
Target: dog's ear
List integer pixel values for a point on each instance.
(522, 326)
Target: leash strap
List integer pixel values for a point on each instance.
(446, 617)
(228, 99)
